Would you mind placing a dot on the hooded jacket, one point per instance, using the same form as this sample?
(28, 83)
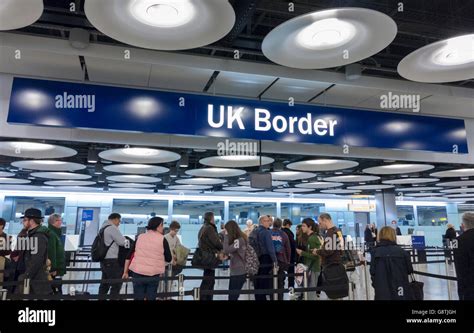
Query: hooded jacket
(389, 269)
(35, 259)
(56, 251)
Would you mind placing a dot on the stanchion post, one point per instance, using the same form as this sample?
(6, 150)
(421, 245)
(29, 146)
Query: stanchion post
(447, 274)
(26, 287)
(180, 286)
(197, 294)
(275, 281)
(3, 294)
(169, 275)
(367, 292)
(305, 285)
(248, 287)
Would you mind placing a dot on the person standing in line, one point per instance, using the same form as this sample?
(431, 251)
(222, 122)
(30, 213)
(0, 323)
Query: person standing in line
(110, 266)
(286, 228)
(369, 237)
(4, 251)
(283, 252)
(396, 227)
(249, 227)
(173, 242)
(235, 245)
(331, 251)
(464, 259)
(56, 251)
(390, 267)
(147, 259)
(312, 261)
(36, 257)
(261, 240)
(209, 241)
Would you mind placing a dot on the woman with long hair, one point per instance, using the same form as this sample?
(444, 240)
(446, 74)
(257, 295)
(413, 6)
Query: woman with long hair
(235, 244)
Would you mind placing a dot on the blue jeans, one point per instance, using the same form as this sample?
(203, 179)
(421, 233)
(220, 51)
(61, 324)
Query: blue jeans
(144, 290)
(236, 283)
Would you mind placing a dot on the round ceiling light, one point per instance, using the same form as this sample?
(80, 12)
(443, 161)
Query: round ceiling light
(162, 24)
(293, 190)
(16, 14)
(69, 183)
(133, 179)
(416, 189)
(241, 189)
(14, 181)
(410, 181)
(322, 165)
(60, 175)
(189, 187)
(34, 150)
(292, 175)
(370, 187)
(238, 161)
(460, 196)
(139, 155)
(318, 185)
(139, 169)
(48, 165)
(351, 179)
(274, 183)
(341, 191)
(201, 181)
(424, 194)
(444, 61)
(459, 190)
(457, 183)
(6, 174)
(396, 169)
(215, 172)
(329, 38)
(454, 173)
(132, 185)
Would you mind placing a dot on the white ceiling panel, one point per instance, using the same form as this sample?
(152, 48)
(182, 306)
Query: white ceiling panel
(451, 106)
(118, 72)
(179, 78)
(300, 90)
(239, 84)
(39, 63)
(341, 95)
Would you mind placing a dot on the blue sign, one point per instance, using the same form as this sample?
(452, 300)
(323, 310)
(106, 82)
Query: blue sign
(418, 242)
(87, 215)
(74, 105)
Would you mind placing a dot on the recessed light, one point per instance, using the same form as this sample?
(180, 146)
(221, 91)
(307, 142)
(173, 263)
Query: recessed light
(327, 33)
(163, 13)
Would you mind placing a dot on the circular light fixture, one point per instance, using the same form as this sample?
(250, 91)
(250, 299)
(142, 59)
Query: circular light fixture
(460, 196)
(139, 169)
(69, 183)
(444, 61)
(396, 169)
(329, 38)
(318, 185)
(215, 172)
(189, 187)
(410, 181)
(4, 174)
(322, 165)
(293, 190)
(424, 194)
(351, 179)
(133, 179)
(132, 185)
(241, 189)
(370, 187)
(16, 14)
(457, 183)
(48, 165)
(34, 150)
(162, 24)
(274, 183)
(139, 155)
(341, 191)
(14, 181)
(292, 175)
(238, 161)
(60, 175)
(416, 189)
(454, 173)
(201, 181)
(459, 190)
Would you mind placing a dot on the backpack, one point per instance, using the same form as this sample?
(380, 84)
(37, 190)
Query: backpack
(251, 261)
(99, 249)
(277, 241)
(335, 282)
(253, 241)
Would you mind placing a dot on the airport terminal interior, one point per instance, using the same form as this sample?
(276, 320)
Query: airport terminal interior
(357, 108)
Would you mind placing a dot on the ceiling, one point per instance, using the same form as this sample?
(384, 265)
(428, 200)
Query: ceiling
(177, 173)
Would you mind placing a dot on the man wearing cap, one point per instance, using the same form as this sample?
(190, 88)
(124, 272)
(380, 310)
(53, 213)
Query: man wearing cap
(37, 255)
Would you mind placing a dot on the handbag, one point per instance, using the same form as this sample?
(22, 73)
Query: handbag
(416, 288)
(204, 259)
(182, 253)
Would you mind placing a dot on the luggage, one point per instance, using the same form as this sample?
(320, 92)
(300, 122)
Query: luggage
(416, 288)
(335, 282)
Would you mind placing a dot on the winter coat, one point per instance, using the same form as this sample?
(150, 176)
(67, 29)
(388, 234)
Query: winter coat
(35, 260)
(209, 240)
(464, 261)
(389, 269)
(56, 251)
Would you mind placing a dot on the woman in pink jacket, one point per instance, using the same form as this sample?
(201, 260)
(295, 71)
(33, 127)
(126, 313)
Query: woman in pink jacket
(147, 259)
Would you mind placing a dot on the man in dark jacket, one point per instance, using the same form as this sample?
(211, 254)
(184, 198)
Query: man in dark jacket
(209, 241)
(261, 241)
(283, 252)
(37, 254)
(331, 251)
(56, 250)
(291, 269)
(4, 251)
(464, 259)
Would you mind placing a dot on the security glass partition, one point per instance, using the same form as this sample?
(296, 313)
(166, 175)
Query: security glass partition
(243, 211)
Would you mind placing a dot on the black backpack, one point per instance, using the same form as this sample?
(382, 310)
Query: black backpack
(335, 282)
(253, 241)
(99, 249)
